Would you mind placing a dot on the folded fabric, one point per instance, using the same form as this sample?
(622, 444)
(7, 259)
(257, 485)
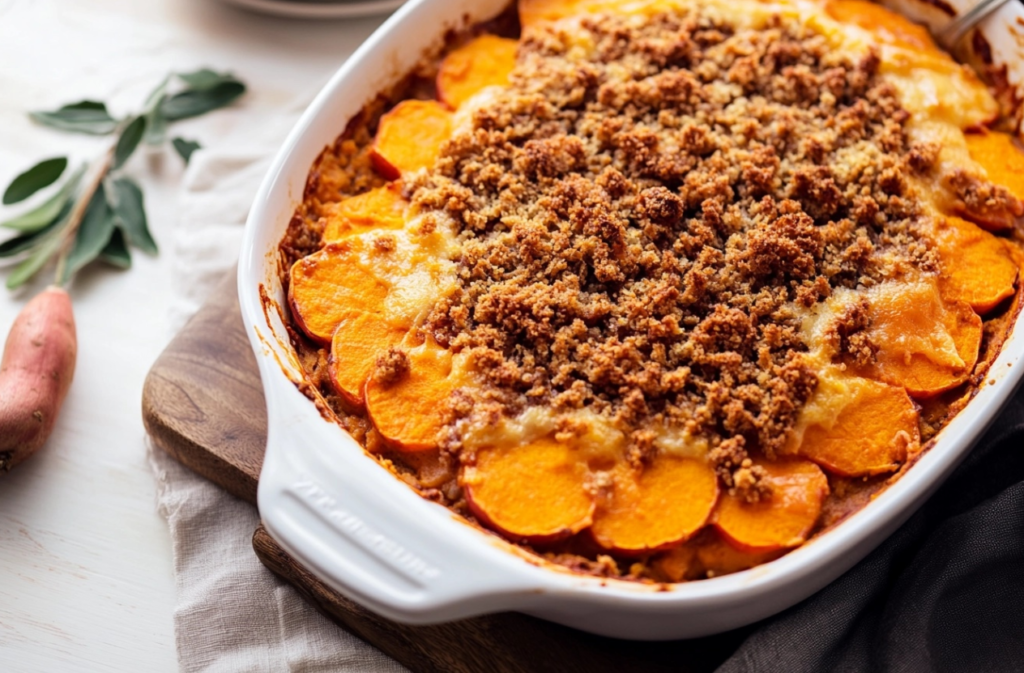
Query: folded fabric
(232, 614)
(944, 593)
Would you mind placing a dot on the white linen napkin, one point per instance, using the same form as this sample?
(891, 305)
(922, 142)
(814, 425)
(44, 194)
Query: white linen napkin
(232, 614)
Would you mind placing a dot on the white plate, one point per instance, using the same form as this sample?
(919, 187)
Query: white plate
(320, 10)
(372, 538)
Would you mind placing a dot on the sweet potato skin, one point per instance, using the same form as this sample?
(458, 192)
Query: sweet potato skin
(35, 374)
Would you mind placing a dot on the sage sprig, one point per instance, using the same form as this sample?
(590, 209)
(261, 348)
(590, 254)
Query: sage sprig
(97, 212)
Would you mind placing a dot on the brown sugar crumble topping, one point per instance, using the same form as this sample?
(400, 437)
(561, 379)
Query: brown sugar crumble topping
(636, 227)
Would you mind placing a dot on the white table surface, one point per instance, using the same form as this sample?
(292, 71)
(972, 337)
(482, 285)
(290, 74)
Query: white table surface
(85, 561)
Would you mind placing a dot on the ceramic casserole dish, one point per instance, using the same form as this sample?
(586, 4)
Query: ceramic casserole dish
(376, 541)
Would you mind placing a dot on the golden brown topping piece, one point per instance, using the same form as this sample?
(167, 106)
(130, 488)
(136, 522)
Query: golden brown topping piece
(409, 137)
(785, 519)
(656, 507)
(534, 492)
(485, 61)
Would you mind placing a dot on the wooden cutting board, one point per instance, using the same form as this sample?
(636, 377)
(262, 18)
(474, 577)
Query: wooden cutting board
(203, 404)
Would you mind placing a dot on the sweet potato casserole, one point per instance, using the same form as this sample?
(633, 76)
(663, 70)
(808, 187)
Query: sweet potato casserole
(660, 289)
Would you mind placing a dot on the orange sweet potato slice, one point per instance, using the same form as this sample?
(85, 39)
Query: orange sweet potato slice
(976, 266)
(405, 403)
(532, 12)
(780, 521)
(328, 284)
(658, 507)
(870, 435)
(535, 492)
(718, 557)
(926, 345)
(409, 137)
(889, 26)
(380, 208)
(358, 340)
(1001, 158)
(485, 61)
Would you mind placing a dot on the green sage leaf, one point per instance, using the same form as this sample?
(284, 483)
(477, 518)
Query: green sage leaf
(86, 116)
(185, 148)
(116, 252)
(43, 174)
(129, 140)
(25, 242)
(93, 235)
(205, 79)
(195, 102)
(125, 197)
(48, 246)
(156, 126)
(48, 211)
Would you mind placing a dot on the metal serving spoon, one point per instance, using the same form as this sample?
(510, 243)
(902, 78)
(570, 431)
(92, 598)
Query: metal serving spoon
(955, 31)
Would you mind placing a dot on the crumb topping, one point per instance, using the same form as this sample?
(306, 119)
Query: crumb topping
(638, 224)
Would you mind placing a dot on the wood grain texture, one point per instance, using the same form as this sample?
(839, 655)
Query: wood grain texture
(501, 643)
(203, 401)
(203, 404)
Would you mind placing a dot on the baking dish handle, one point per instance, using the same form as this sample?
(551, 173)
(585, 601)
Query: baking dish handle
(370, 537)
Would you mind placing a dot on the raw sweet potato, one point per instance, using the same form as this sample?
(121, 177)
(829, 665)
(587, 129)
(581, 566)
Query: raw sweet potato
(328, 284)
(657, 507)
(925, 344)
(35, 374)
(976, 266)
(406, 394)
(410, 137)
(782, 520)
(871, 434)
(358, 341)
(380, 208)
(535, 492)
(485, 61)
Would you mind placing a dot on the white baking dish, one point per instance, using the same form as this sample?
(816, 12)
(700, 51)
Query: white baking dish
(373, 539)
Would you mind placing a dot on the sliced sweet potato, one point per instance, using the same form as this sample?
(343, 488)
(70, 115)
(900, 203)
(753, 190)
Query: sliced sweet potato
(358, 341)
(718, 557)
(380, 208)
(409, 137)
(532, 12)
(485, 61)
(1001, 158)
(976, 266)
(406, 394)
(889, 26)
(328, 284)
(535, 492)
(925, 344)
(780, 521)
(871, 434)
(658, 507)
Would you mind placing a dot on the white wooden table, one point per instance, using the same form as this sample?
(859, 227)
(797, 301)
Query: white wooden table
(85, 562)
